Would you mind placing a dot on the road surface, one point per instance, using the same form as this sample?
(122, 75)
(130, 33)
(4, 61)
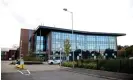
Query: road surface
(42, 72)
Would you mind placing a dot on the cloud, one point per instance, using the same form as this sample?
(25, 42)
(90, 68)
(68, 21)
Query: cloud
(89, 15)
(18, 18)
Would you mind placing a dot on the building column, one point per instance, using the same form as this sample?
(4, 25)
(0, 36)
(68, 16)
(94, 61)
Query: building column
(34, 43)
(109, 42)
(40, 41)
(116, 43)
(96, 43)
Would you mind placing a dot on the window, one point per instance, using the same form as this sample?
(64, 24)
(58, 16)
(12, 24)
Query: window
(88, 42)
(38, 37)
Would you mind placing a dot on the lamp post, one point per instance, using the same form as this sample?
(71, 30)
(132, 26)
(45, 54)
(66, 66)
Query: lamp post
(20, 53)
(72, 29)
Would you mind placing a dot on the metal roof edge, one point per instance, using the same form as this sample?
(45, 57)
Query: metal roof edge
(82, 32)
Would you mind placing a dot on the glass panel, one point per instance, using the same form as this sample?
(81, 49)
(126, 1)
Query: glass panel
(85, 42)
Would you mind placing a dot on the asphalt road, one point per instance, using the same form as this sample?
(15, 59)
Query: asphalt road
(55, 72)
(41, 72)
(48, 75)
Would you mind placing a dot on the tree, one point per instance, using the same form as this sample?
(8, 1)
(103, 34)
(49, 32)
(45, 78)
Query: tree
(96, 53)
(119, 47)
(109, 53)
(125, 51)
(121, 52)
(129, 50)
(30, 53)
(67, 46)
(86, 54)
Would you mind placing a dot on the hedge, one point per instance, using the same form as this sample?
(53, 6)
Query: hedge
(125, 66)
(90, 65)
(28, 62)
(29, 58)
(33, 62)
(68, 64)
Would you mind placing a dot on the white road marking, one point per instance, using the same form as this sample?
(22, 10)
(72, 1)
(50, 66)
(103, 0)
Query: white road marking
(23, 73)
(28, 71)
(20, 71)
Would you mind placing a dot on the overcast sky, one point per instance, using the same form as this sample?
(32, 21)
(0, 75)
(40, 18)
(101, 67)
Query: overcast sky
(89, 15)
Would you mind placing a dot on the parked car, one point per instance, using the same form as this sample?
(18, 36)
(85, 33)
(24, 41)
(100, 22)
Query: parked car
(130, 57)
(54, 61)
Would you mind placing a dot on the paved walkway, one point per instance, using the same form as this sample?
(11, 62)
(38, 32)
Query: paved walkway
(102, 74)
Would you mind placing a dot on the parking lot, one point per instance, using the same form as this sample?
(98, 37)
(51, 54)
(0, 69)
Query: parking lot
(42, 72)
(6, 67)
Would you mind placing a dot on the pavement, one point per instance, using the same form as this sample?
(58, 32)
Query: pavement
(55, 72)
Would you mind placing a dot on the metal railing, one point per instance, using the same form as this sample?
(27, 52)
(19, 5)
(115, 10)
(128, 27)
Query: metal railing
(115, 65)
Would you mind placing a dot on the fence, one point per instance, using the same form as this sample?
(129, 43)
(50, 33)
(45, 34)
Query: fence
(125, 66)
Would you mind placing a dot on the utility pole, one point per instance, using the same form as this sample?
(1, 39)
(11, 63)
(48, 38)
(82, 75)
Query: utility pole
(20, 49)
(72, 29)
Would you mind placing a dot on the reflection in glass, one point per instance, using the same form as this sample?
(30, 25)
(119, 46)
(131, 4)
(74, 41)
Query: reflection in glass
(84, 42)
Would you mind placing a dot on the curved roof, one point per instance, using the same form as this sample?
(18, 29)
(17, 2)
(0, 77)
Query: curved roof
(79, 32)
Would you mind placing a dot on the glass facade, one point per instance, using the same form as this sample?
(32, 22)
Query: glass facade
(39, 44)
(84, 42)
(30, 34)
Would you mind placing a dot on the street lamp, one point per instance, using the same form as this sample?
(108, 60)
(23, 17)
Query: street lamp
(65, 9)
(20, 53)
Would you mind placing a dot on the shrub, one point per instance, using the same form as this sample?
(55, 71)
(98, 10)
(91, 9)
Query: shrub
(79, 64)
(30, 58)
(89, 60)
(111, 65)
(68, 64)
(126, 66)
(91, 65)
(101, 63)
(28, 62)
(114, 65)
(33, 62)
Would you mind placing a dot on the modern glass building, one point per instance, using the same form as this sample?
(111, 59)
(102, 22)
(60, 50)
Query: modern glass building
(48, 40)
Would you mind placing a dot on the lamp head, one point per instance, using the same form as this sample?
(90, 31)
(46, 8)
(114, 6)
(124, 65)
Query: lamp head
(65, 9)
